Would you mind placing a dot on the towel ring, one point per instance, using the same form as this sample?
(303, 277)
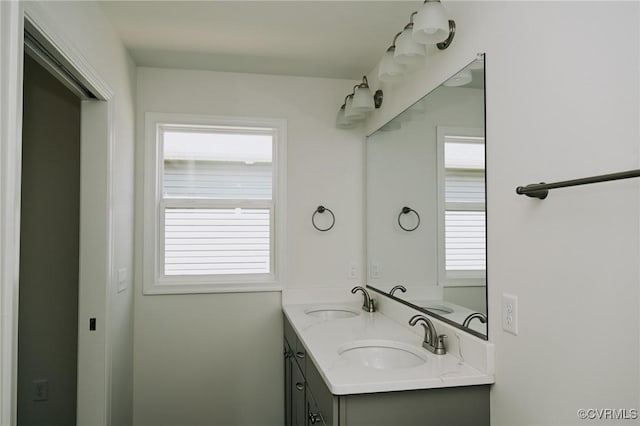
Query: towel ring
(407, 210)
(321, 210)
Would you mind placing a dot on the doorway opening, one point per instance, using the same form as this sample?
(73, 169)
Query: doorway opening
(49, 250)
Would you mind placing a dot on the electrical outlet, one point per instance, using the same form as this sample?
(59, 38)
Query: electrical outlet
(510, 313)
(40, 390)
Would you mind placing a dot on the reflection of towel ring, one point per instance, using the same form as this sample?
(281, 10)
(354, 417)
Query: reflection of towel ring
(406, 210)
(322, 209)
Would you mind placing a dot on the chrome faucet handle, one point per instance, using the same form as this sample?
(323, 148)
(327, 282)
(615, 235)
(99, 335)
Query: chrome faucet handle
(369, 304)
(432, 342)
(440, 349)
(396, 288)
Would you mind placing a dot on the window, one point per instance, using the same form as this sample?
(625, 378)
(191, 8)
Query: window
(462, 213)
(214, 204)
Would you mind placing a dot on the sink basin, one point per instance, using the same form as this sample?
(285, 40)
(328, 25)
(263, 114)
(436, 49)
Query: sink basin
(330, 312)
(439, 309)
(382, 354)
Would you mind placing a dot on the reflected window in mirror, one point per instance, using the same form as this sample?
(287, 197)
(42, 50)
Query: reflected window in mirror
(461, 200)
(431, 158)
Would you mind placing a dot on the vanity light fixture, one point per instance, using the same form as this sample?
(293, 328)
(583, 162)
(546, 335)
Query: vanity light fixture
(408, 50)
(357, 104)
(341, 120)
(350, 113)
(389, 70)
(362, 97)
(431, 25)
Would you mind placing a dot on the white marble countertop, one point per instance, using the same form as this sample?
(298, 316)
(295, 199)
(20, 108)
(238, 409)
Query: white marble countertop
(323, 338)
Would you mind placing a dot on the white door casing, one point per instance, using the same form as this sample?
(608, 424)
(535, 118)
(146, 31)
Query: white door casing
(96, 229)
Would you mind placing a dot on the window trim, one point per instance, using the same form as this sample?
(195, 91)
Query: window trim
(462, 278)
(154, 280)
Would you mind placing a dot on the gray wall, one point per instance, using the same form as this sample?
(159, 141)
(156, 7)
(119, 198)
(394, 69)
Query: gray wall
(48, 307)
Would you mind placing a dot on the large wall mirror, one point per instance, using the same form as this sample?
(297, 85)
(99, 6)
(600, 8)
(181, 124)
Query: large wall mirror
(426, 203)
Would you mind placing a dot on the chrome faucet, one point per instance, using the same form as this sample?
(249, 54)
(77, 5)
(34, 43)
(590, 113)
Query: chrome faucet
(396, 288)
(369, 304)
(482, 317)
(433, 342)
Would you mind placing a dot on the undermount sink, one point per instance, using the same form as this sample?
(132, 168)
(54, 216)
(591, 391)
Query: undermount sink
(329, 312)
(382, 354)
(439, 309)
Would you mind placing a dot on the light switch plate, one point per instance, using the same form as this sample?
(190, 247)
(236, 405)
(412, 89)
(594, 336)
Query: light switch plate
(374, 270)
(353, 270)
(510, 313)
(122, 279)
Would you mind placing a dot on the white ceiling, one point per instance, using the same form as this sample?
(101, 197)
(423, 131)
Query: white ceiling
(334, 39)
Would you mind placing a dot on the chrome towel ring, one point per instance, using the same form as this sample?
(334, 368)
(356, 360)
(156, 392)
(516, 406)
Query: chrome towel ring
(321, 210)
(407, 210)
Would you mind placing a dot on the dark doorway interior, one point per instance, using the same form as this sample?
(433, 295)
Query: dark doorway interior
(49, 250)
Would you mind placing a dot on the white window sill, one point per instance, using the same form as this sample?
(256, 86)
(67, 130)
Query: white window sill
(212, 288)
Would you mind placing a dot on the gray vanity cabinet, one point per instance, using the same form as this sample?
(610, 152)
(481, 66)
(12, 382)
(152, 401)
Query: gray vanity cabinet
(295, 390)
(309, 401)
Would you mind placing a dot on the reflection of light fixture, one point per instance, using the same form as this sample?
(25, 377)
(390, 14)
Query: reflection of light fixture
(460, 79)
(357, 104)
(431, 25)
(391, 126)
(389, 70)
(408, 50)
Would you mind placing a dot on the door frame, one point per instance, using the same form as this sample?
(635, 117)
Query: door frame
(96, 274)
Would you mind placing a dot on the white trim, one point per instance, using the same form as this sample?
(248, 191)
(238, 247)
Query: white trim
(462, 278)
(153, 280)
(13, 15)
(11, 41)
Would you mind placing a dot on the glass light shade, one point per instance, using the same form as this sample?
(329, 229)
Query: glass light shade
(460, 79)
(349, 113)
(408, 51)
(389, 70)
(431, 24)
(362, 100)
(342, 122)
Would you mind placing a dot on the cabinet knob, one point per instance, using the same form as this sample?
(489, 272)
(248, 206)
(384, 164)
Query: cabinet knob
(314, 418)
(300, 386)
(300, 355)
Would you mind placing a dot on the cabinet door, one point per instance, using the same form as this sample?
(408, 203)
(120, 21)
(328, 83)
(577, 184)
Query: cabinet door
(322, 402)
(315, 414)
(298, 408)
(288, 384)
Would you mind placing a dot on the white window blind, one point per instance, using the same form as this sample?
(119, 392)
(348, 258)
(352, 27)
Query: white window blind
(464, 206)
(216, 241)
(465, 240)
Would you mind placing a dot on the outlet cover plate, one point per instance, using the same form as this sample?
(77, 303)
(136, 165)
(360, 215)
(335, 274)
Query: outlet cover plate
(510, 313)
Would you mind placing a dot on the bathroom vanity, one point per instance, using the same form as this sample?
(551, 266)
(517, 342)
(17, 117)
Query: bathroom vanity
(346, 367)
